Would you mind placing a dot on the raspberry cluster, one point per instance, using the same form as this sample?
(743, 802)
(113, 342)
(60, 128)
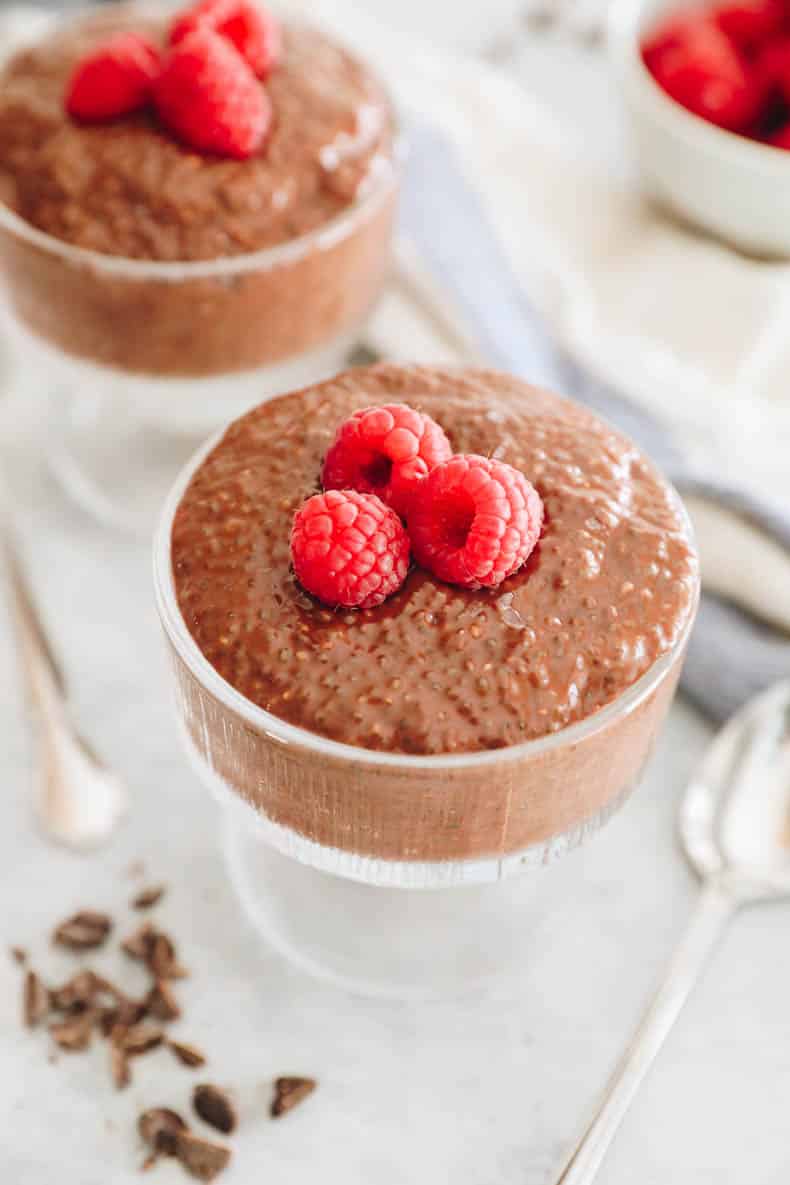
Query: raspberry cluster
(730, 65)
(469, 520)
(206, 88)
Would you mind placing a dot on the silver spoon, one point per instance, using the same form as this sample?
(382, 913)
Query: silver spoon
(735, 832)
(78, 799)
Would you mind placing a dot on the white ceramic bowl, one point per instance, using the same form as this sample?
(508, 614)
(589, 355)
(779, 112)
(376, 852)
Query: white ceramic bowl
(734, 188)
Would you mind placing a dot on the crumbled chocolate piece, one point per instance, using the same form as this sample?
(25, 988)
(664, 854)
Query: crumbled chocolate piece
(85, 930)
(188, 1055)
(141, 1038)
(75, 1033)
(76, 993)
(202, 1158)
(148, 898)
(214, 1107)
(288, 1092)
(119, 1066)
(35, 1000)
(161, 1002)
(137, 944)
(108, 1021)
(162, 960)
(130, 1011)
(121, 1016)
(18, 954)
(156, 949)
(160, 1128)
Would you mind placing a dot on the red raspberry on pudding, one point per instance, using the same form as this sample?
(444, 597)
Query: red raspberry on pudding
(210, 99)
(476, 521)
(114, 80)
(349, 549)
(254, 32)
(387, 451)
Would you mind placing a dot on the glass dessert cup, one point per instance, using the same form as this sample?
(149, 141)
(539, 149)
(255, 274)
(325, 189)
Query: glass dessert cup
(387, 874)
(142, 359)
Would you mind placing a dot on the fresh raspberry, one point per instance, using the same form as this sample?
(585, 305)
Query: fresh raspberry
(254, 32)
(210, 99)
(698, 66)
(750, 23)
(349, 549)
(781, 139)
(385, 450)
(476, 521)
(114, 80)
(772, 67)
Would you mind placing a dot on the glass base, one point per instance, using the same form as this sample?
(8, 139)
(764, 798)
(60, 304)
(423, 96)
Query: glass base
(117, 441)
(388, 929)
(391, 943)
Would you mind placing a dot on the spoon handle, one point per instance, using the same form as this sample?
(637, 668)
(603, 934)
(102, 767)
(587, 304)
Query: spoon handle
(41, 667)
(712, 912)
(78, 799)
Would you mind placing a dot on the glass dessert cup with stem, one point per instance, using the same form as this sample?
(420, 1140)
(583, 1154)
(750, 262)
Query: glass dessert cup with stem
(142, 359)
(388, 874)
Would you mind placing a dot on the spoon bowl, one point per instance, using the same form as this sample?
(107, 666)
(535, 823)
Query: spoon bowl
(734, 827)
(735, 817)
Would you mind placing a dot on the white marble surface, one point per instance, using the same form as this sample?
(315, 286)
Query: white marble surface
(471, 1092)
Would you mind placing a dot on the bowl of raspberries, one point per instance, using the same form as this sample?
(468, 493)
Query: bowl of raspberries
(707, 92)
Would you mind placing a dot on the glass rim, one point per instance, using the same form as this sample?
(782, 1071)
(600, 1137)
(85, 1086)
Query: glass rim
(282, 732)
(323, 237)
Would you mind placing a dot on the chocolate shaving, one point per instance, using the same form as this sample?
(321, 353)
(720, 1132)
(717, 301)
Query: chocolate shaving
(188, 1055)
(161, 1002)
(121, 1017)
(76, 993)
(156, 949)
(202, 1158)
(85, 930)
(137, 944)
(18, 954)
(214, 1107)
(148, 898)
(75, 1033)
(162, 960)
(288, 1092)
(35, 1000)
(108, 1021)
(119, 1066)
(160, 1128)
(140, 1038)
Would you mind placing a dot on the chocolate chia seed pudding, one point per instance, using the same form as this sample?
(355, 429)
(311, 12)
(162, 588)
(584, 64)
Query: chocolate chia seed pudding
(122, 246)
(431, 687)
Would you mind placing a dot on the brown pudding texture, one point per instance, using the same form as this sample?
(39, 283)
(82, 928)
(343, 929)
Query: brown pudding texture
(436, 669)
(128, 189)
